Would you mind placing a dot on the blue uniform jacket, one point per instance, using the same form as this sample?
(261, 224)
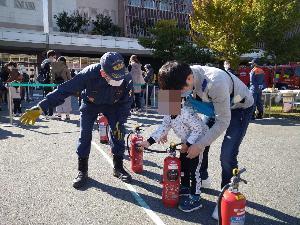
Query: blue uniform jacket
(257, 80)
(94, 89)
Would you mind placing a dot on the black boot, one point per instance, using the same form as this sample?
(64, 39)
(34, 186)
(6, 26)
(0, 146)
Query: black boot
(82, 176)
(119, 170)
(259, 115)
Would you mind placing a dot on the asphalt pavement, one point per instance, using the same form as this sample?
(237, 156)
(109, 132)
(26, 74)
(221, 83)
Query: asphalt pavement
(38, 164)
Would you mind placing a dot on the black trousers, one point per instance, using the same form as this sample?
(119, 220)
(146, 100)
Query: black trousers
(17, 105)
(50, 110)
(191, 173)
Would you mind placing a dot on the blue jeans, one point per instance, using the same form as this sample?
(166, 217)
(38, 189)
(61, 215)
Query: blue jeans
(258, 102)
(235, 133)
(88, 114)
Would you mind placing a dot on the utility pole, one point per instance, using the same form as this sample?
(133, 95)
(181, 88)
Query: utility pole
(46, 21)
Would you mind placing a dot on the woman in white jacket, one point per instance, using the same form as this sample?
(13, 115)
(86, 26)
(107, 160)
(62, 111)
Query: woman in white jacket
(61, 74)
(138, 81)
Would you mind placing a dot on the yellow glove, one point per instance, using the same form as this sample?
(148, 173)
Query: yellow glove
(31, 115)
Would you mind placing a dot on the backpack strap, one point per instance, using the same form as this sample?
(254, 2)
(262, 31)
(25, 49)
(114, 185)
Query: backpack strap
(232, 93)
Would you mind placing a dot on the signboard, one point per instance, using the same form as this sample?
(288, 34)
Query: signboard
(21, 4)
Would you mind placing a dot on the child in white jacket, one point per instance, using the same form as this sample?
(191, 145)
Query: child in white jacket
(189, 127)
(16, 97)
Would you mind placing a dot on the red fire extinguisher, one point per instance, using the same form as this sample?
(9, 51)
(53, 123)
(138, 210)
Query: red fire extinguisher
(135, 151)
(232, 203)
(103, 129)
(171, 178)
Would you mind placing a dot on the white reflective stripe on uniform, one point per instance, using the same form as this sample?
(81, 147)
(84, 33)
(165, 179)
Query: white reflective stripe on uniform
(198, 175)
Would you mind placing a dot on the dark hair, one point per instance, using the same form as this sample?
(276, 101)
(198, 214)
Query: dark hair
(62, 59)
(51, 53)
(134, 58)
(173, 74)
(11, 63)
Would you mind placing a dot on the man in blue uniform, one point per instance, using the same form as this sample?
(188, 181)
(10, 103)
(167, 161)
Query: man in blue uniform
(105, 88)
(257, 84)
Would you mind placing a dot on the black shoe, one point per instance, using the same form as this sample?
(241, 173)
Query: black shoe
(80, 180)
(259, 116)
(82, 176)
(119, 170)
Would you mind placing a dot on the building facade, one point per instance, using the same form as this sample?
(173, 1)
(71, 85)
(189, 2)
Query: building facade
(22, 26)
(140, 15)
(135, 17)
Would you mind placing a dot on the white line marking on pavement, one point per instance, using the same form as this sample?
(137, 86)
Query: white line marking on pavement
(154, 217)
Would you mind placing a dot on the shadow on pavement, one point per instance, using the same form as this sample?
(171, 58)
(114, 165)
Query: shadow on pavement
(254, 219)
(151, 164)
(275, 121)
(202, 215)
(151, 175)
(4, 134)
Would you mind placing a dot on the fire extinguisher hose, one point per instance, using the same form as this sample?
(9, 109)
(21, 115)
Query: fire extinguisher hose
(127, 143)
(147, 149)
(219, 203)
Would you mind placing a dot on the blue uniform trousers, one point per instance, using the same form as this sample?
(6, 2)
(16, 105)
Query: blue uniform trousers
(235, 133)
(258, 102)
(88, 115)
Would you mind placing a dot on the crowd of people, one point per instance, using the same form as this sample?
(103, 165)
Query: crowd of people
(54, 70)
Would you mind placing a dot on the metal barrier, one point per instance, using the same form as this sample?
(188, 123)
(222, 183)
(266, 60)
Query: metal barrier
(15, 84)
(147, 89)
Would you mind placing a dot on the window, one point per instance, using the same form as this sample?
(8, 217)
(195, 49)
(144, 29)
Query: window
(165, 5)
(2, 2)
(24, 5)
(134, 2)
(149, 4)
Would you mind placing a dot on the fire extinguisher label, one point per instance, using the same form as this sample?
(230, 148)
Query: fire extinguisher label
(172, 166)
(102, 129)
(237, 220)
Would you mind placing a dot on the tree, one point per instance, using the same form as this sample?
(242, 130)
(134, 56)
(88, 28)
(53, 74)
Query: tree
(165, 40)
(103, 25)
(276, 26)
(63, 21)
(231, 28)
(80, 22)
(73, 23)
(191, 53)
(223, 26)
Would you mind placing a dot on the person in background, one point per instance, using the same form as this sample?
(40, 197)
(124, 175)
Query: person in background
(149, 77)
(257, 84)
(2, 89)
(61, 74)
(15, 76)
(13, 72)
(45, 76)
(25, 90)
(138, 81)
(228, 68)
(3, 77)
(73, 73)
(16, 97)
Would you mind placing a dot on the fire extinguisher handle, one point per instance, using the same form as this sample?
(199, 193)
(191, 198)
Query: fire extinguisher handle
(237, 172)
(242, 170)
